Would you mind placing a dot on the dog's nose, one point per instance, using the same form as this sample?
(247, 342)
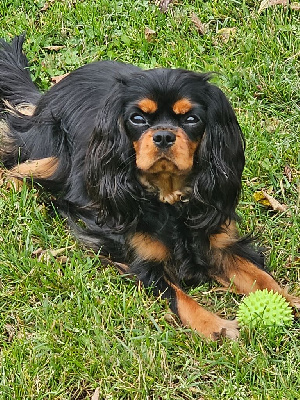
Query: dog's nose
(164, 139)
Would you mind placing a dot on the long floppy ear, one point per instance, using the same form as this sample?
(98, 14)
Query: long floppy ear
(110, 164)
(219, 164)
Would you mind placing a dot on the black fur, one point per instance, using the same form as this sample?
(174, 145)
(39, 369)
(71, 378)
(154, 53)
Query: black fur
(83, 121)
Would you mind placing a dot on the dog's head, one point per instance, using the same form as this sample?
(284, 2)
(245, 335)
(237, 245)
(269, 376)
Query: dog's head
(170, 131)
(165, 126)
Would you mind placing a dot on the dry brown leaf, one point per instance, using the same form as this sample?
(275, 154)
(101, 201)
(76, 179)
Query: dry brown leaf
(295, 6)
(288, 173)
(270, 3)
(198, 24)
(96, 394)
(47, 5)
(163, 4)
(226, 33)
(46, 255)
(274, 204)
(292, 262)
(264, 198)
(149, 34)
(57, 252)
(54, 48)
(62, 259)
(58, 78)
(10, 331)
(221, 289)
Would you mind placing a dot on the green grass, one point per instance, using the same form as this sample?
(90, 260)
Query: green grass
(69, 327)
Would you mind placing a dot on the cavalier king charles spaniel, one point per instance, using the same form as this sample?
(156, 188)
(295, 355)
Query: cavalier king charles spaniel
(146, 166)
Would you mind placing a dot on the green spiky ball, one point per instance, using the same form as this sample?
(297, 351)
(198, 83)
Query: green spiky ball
(264, 308)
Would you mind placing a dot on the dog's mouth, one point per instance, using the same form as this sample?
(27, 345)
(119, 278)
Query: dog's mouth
(164, 164)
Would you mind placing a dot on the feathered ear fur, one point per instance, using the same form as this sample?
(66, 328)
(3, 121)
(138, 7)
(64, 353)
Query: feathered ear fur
(220, 162)
(110, 167)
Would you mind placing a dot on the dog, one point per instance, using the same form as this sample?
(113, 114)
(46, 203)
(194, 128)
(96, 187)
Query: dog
(146, 166)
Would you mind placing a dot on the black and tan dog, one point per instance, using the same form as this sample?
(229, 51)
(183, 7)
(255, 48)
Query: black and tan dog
(149, 162)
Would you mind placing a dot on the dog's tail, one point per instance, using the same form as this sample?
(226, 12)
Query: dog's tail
(18, 98)
(16, 85)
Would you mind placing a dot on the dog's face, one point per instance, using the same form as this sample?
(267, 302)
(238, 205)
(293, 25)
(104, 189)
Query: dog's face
(165, 122)
(168, 133)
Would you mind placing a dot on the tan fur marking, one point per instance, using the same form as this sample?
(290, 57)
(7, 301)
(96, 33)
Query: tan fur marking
(145, 150)
(183, 151)
(23, 108)
(149, 248)
(6, 143)
(201, 320)
(9, 181)
(40, 169)
(182, 106)
(4, 130)
(247, 277)
(148, 106)
(26, 109)
(242, 274)
(225, 238)
(171, 187)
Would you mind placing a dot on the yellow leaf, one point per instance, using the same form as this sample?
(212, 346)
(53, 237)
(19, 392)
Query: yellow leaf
(226, 33)
(260, 198)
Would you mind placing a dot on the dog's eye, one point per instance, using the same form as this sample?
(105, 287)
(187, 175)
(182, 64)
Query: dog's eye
(137, 119)
(192, 119)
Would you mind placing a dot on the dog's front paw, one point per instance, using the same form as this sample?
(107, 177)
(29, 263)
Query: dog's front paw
(226, 329)
(293, 300)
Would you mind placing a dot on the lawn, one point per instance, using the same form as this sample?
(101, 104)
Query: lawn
(69, 326)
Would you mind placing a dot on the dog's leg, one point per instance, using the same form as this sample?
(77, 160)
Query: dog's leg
(196, 317)
(36, 169)
(150, 256)
(31, 169)
(191, 314)
(235, 268)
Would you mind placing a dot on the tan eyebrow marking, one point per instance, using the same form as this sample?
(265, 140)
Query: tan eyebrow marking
(182, 106)
(147, 105)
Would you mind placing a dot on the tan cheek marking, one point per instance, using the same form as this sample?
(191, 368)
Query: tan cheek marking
(147, 106)
(183, 151)
(145, 150)
(149, 248)
(182, 106)
(40, 169)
